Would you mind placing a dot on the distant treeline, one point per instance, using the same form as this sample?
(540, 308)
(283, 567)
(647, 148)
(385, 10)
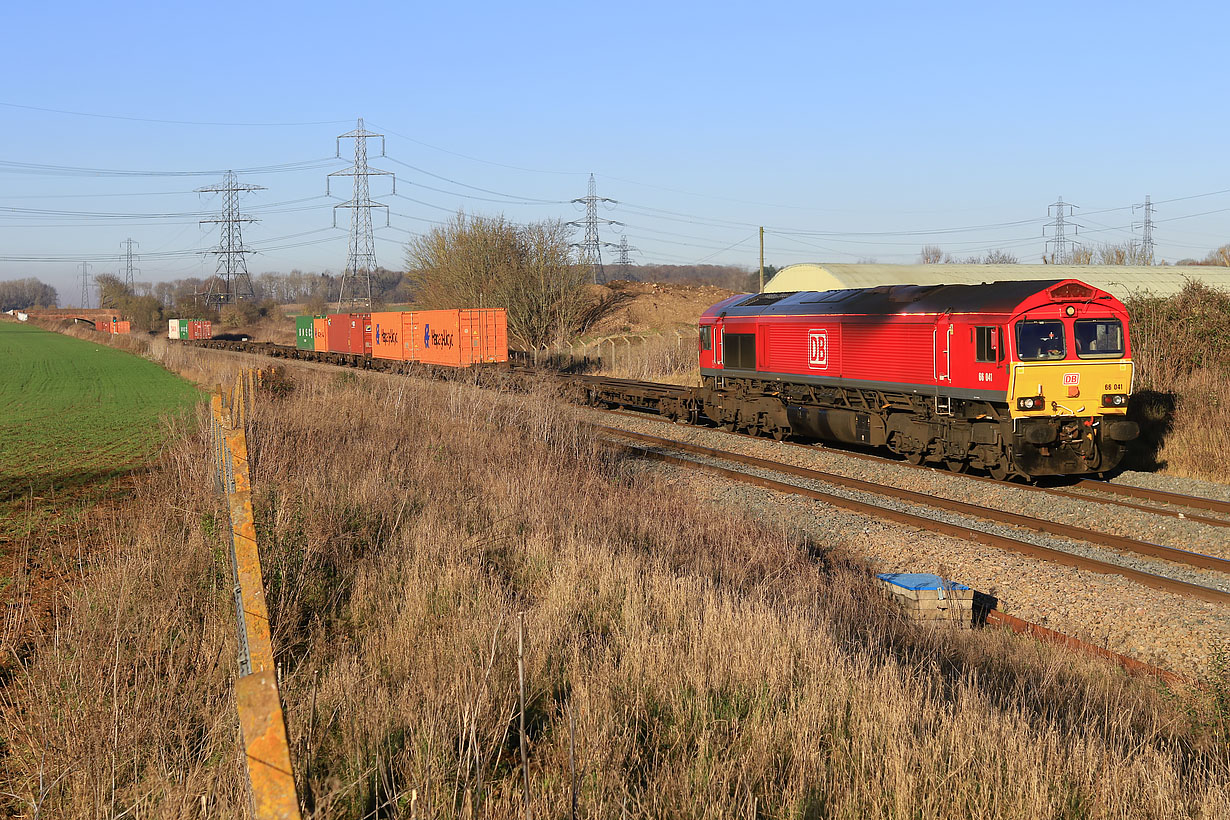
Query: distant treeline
(19, 294)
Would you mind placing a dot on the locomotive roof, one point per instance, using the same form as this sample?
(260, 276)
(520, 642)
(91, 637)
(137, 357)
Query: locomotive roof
(995, 297)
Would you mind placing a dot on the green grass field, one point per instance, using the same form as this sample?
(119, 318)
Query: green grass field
(74, 414)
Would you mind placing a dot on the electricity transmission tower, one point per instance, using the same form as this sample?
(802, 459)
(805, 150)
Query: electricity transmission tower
(361, 260)
(1146, 244)
(624, 260)
(128, 268)
(232, 264)
(1063, 247)
(85, 284)
(591, 248)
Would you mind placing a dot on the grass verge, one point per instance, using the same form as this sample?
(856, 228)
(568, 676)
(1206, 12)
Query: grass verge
(701, 664)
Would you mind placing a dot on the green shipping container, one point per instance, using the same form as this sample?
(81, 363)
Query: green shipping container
(305, 338)
(183, 329)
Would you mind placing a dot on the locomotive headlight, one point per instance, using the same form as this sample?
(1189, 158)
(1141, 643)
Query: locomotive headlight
(1031, 403)
(1114, 400)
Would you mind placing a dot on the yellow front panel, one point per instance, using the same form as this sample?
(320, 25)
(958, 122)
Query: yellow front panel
(1052, 380)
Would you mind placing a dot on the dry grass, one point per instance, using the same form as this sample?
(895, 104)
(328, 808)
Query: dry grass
(1181, 346)
(710, 667)
(669, 358)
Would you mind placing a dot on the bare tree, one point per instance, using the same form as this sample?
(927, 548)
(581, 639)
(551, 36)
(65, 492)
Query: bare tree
(476, 261)
(1079, 255)
(1000, 257)
(1219, 256)
(931, 255)
(19, 294)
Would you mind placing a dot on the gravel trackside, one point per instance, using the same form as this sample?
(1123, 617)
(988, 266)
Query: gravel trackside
(1161, 628)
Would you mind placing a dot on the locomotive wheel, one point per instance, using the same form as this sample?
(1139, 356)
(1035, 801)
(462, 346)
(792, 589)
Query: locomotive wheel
(779, 434)
(998, 471)
(956, 465)
(914, 458)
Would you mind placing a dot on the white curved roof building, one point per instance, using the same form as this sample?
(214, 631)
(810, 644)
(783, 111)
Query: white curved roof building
(1121, 280)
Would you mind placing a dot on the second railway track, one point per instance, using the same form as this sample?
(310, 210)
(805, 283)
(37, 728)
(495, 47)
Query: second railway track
(654, 447)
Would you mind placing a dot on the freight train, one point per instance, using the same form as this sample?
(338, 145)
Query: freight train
(1018, 379)
(1015, 378)
(445, 338)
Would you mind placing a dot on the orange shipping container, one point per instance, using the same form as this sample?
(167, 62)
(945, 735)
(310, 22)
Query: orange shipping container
(103, 325)
(319, 335)
(458, 338)
(123, 327)
(387, 336)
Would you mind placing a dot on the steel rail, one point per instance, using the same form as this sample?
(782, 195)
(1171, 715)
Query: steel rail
(1122, 490)
(1163, 496)
(920, 521)
(1042, 633)
(1178, 556)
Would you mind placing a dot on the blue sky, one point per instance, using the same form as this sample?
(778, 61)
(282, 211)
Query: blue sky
(849, 130)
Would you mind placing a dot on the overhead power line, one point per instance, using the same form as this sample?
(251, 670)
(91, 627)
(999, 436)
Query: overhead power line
(36, 168)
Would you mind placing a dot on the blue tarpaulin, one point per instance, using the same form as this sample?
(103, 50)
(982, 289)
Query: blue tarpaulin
(918, 581)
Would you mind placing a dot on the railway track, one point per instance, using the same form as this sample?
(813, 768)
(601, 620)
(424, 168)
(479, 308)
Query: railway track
(652, 397)
(653, 447)
(1121, 491)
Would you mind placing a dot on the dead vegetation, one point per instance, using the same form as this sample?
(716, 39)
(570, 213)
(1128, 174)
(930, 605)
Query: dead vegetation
(1181, 346)
(700, 664)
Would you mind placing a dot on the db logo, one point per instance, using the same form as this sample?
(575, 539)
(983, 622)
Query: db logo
(818, 349)
(1071, 379)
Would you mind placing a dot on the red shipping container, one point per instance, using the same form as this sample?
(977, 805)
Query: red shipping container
(361, 334)
(103, 326)
(387, 336)
(337, 332)
(123, 327)
(200, 329)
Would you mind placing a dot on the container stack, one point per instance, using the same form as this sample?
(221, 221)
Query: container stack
(929, 599)
(186, 329)
(112, 325)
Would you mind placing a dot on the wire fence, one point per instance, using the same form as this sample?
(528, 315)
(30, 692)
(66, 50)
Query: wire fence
(257, 700)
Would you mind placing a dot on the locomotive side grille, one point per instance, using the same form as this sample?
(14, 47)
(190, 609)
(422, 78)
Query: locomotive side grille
(739, 351)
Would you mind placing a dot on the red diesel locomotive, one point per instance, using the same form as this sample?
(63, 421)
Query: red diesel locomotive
(1017, 378)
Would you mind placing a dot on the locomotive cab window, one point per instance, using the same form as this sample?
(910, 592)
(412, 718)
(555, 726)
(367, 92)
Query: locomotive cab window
(987, 344)
(706, 338)
(1099, 338)
(739, 351)
(1040, 340)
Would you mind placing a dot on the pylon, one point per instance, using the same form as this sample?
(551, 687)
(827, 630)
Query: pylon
(232, 266)
(361, 260)
(591, 248)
